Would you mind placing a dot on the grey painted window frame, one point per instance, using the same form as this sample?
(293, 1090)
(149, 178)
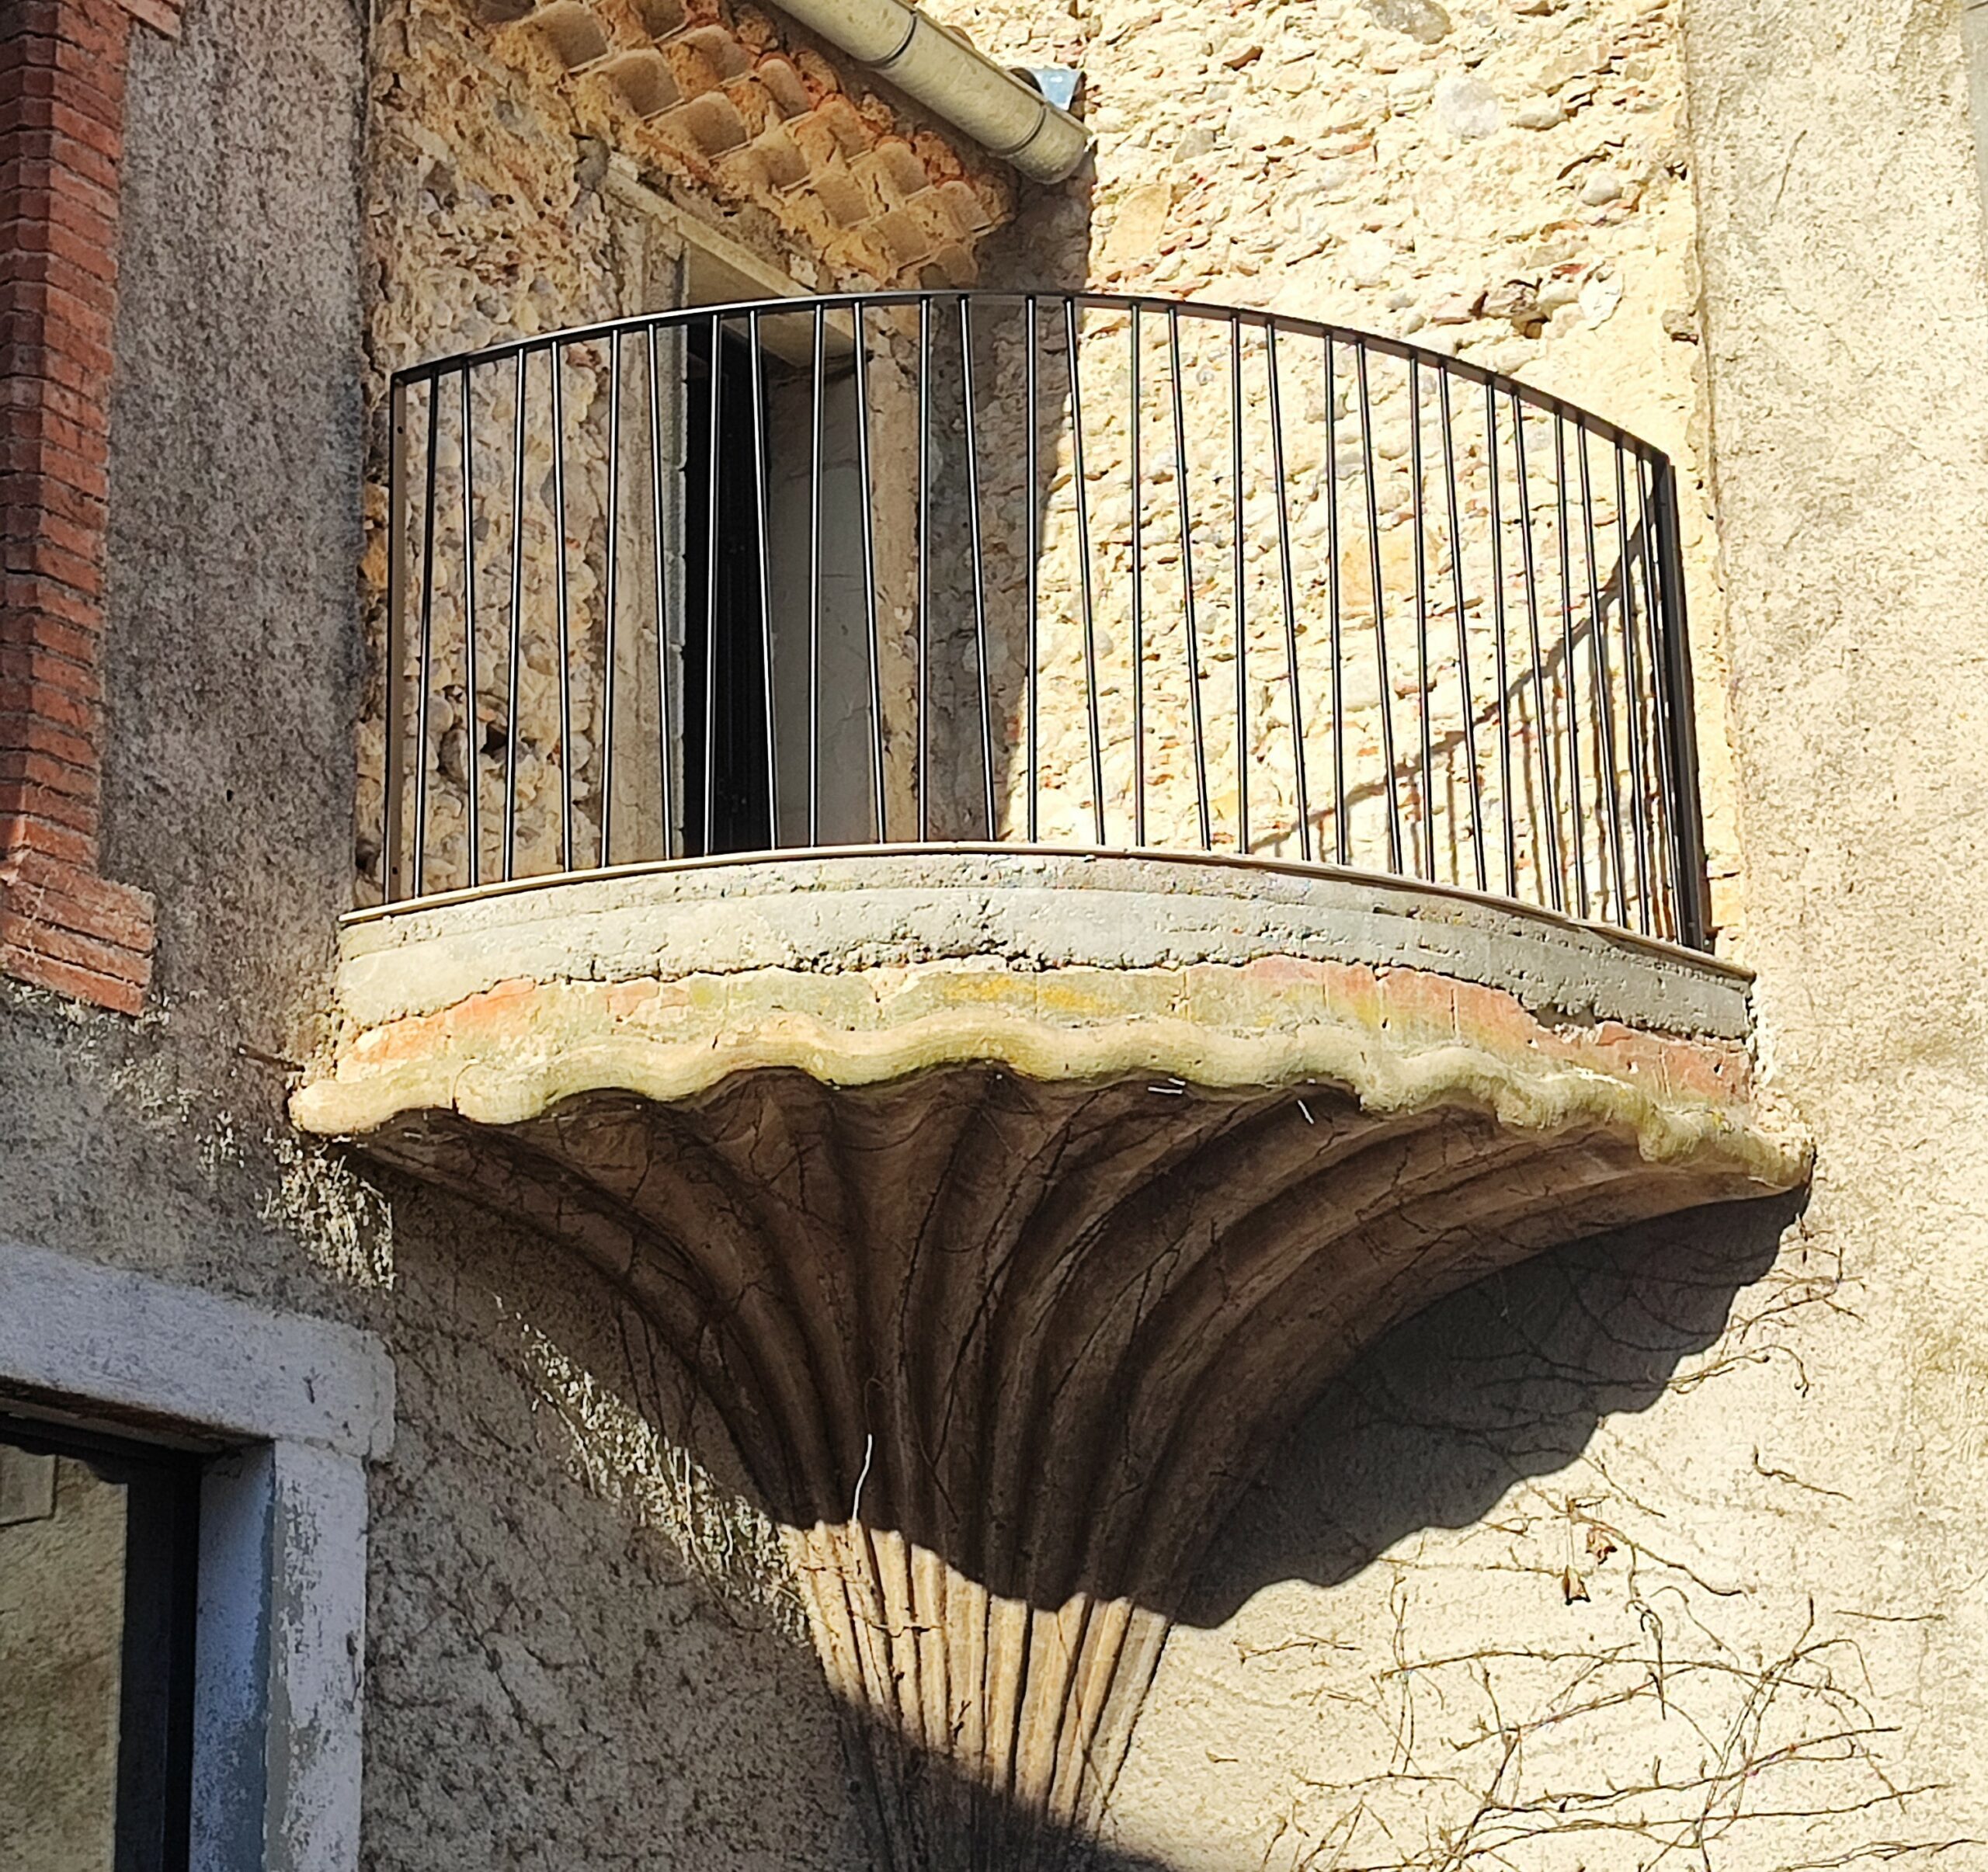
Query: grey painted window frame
(294, 1408)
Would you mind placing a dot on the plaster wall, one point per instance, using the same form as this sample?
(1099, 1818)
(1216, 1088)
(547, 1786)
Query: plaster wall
(559, 1675)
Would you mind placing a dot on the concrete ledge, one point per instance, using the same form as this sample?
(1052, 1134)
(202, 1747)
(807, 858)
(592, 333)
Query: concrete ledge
(1031, 910)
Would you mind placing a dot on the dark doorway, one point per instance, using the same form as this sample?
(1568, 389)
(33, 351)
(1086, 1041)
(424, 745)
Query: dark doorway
(98, 1550)
(727, 792)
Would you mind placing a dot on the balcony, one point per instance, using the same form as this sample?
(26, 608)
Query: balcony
(1028, 873)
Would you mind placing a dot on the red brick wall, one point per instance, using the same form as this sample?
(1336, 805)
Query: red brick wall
(62, 74)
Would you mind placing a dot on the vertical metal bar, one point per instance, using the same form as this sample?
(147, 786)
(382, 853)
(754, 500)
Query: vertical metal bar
(394, 777)
(1605, 696)
(1693, 893)
(1633, 688)
(710, 591)
(1370, 467)
(762, 542)
(1502, 647)
(564, 613)
(869, 580)
(1071, 339)
(820, 368)
(1459, 601)
(921, 752)
(1031, 549)
(1138, 605)
(1542, 721)
(514, 736)
(473, 751)
(609, 606)
(1239, 584)
(665, 713)
(1664, 831)
(979, 563)
(1569, 665)
(1187, 580)
(424, 665)
(1290, 595)
(1341, 838)
(1419, 517)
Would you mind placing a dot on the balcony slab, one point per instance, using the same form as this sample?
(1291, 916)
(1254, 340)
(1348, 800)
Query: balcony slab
(1008, 1204)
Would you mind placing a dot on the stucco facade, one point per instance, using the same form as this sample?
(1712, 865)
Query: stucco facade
(1656, 1547)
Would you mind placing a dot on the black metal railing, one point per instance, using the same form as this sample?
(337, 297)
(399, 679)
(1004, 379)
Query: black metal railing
(1068, 570)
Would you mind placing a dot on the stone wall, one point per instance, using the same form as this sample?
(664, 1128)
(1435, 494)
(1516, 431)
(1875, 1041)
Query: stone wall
(531, 170)
(1506, 185)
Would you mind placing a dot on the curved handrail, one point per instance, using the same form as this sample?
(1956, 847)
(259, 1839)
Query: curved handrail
(1029, 565)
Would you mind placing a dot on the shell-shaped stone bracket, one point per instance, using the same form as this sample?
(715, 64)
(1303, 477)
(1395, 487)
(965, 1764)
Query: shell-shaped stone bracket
(1008, 1206)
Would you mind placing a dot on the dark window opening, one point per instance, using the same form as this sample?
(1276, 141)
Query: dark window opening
(98, 1549)
(727, 802)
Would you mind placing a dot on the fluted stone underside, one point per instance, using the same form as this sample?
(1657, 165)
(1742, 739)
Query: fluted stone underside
(1003, 1284)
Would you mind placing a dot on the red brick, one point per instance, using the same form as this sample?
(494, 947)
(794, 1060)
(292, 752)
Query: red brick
(46, 927)
(56, 317)
(81, 90)
(29, 663)
(53, 270)
(53, 117)
(113, 993)
(56, 778)
(108, 908)
(37, 629)
(27, 800)
(60, 710)
(27, 214)
(39, 425)
(58, 897)
(24, 174)
(29, 730)
(50, 494)
(42, 527)
(42, 555)
(71, 360)
(45, 461)
(162, 15)
(71, 618)
(23, 830)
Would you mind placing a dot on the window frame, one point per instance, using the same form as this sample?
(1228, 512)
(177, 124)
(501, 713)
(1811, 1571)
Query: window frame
(285, 1411)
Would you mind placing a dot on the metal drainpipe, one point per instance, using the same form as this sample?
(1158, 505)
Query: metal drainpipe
(934, 66)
